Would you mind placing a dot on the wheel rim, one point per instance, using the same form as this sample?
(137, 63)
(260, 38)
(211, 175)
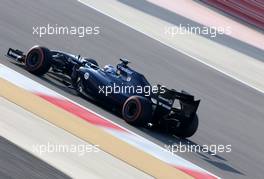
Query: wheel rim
(131, 110)
(79, 85)
(33, 59)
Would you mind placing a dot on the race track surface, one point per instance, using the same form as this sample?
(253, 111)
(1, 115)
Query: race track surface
(17, 163)
(230, 112)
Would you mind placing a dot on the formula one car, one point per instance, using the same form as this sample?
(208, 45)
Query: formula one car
(138, 106)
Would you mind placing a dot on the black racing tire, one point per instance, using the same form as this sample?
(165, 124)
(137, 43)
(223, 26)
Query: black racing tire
(79, 86)
(92, 61)
(38, 60)
(188, 129)
(137, 110)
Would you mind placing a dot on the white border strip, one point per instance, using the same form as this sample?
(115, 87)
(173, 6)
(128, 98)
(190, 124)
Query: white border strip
(128, 136)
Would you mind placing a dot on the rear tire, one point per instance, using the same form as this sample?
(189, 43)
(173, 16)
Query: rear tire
(38, 60)
(137, 110)
(187, 130)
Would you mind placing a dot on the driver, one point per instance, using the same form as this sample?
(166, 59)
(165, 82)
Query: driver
(110, 69)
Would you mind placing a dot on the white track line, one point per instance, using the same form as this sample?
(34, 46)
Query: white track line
(177, 49)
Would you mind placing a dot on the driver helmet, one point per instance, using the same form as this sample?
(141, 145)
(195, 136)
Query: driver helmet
(110, 69)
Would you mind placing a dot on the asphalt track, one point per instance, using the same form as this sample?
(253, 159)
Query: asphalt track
(230, 112)
(17, 163)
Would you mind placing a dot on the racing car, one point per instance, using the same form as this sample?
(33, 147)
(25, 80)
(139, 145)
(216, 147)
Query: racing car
(157, 108)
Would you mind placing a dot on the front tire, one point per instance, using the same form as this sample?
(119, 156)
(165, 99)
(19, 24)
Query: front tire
(79, 86)
(137, 110)
(38, 60)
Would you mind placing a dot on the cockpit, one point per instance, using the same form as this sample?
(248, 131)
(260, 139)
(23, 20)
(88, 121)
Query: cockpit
(117, 72)
(110, 69)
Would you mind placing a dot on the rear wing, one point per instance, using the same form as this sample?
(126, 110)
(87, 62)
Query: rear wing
(188, 105)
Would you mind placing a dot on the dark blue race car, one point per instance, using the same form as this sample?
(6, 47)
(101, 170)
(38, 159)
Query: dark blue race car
(120, 87)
